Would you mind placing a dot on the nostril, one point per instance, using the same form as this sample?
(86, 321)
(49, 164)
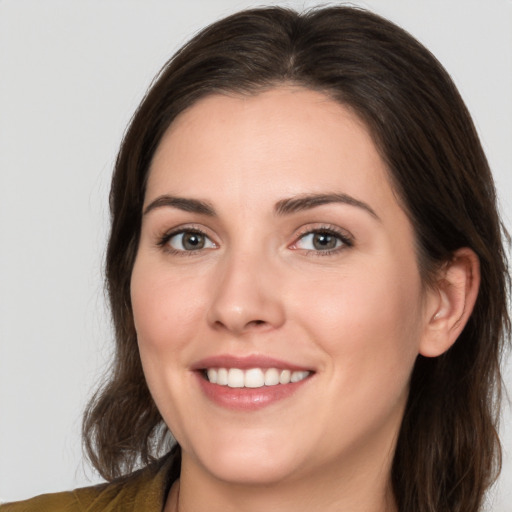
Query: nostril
(248, 326)
(257, 322)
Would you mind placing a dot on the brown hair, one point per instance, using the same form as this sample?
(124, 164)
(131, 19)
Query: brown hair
(448, 450)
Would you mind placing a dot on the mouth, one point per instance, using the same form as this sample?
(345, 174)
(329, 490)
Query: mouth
(253, 377)
(249, 382)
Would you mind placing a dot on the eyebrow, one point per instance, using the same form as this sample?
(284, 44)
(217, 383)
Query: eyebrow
(308, 201)
(181, 203)
(282, 207)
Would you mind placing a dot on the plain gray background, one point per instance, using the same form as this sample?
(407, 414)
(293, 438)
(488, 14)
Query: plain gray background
(71, 74)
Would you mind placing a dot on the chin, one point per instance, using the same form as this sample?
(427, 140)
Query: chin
(249, 463)
(250, 471)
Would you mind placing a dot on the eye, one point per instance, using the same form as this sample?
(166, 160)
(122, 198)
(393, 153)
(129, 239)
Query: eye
(189, 240)
(322, 240)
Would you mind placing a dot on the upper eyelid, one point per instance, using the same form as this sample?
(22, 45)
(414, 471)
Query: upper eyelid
(164, 244)
(319, 227)
(183, 228)
(164, 237)
(190, 231)
(298, 233)
(346, 238)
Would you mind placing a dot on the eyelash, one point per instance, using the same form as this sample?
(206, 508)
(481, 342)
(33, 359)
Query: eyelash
(163, 241)
(345, 239)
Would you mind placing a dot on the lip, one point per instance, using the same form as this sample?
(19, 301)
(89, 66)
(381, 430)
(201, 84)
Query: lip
(247, 399)
(246, 363)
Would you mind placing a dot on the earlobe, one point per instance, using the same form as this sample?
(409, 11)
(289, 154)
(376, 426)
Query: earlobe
(451, 302)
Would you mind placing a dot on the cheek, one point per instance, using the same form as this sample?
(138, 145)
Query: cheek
(370, 321)
(167, 312)
(166, 308)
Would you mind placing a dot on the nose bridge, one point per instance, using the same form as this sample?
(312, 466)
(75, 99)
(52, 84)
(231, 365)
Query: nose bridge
(246, 295)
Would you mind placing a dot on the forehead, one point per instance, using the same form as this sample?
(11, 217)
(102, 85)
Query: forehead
(281, 142)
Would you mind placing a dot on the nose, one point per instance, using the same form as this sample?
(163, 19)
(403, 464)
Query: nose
(246, 296)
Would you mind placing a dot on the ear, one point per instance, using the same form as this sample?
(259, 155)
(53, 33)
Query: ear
(450, 302)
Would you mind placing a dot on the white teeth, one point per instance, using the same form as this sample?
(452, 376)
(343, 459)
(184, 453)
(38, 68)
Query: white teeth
(271, 377)
(297, 376)
(254, 377)
(285, 376)
(222, 376)
(212, 375)
(235, 378)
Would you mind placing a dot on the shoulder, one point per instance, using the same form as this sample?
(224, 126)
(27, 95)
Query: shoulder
(144, 490)
(79, 500)
(57, 502)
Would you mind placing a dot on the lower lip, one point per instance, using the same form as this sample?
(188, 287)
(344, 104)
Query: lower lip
(248, 399)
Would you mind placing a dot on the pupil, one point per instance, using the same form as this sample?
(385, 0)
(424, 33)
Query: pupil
(324, 241)
(192, 241)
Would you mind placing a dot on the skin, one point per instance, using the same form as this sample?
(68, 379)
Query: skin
(358, 315)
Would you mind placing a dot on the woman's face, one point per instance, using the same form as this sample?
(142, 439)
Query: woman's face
(273, 248)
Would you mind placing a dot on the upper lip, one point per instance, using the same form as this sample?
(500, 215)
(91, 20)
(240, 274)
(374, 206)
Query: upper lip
(246, 363)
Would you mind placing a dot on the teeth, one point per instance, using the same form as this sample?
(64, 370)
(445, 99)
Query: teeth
(297, 376)
(235, 378)
(222, 376)
(285, 377)
(253, 378)
(212, 375)
(271, 377)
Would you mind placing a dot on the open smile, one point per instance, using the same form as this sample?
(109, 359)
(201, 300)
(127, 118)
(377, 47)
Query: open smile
(247, 383)
(254, 377)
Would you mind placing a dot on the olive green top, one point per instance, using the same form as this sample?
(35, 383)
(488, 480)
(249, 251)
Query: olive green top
(143, 491)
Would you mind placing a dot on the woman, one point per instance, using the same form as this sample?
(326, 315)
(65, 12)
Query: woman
(307, 280)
